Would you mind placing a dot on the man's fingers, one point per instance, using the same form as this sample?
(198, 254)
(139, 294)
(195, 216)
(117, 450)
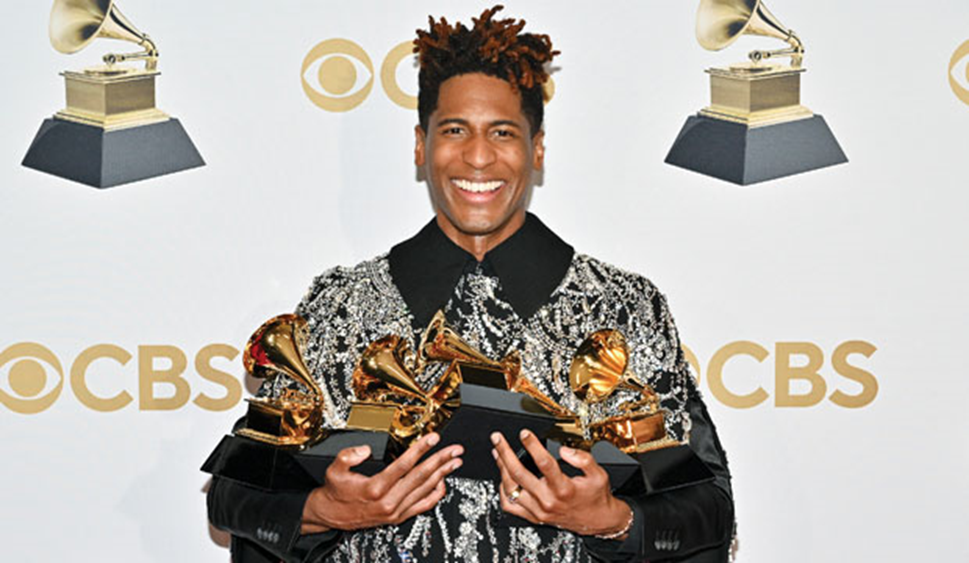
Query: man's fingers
(583, 461)
(547, 464)
(347, 458)
(507, 484)
(416, 486)
(518, 507)
(516, 471)
(426, 503)
(409, 458)
(423, 471)
(383, 481)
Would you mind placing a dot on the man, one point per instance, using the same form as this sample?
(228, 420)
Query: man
(505, 282)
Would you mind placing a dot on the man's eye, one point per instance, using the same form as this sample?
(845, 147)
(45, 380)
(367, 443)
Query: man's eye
(452, 131)
(504, 133)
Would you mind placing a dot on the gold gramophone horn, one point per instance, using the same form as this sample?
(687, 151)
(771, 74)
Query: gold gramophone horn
(520, 384)
(383, 374)
(441, 344)
(383, 370)
(599, 367)
(721, 22)
(294, 418)
(76, 23)
(277, 347)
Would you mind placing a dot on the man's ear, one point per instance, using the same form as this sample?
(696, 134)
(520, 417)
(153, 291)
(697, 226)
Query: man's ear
(538, 150)
(420, 140)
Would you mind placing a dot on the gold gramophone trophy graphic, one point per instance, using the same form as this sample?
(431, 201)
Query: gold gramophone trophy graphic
(755, 128)
(110, 133)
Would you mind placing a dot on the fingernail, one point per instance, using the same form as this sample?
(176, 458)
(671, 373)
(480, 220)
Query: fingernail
(457, 451)
(495, 438)
(363, 451)
(494, 453)
(433, 439)
(565, 450)
(455, 464)
(524, 434)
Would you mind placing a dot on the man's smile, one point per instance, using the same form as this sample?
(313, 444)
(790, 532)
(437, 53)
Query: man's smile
(477, 187)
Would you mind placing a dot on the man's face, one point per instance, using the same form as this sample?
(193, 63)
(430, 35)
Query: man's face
(478, 156)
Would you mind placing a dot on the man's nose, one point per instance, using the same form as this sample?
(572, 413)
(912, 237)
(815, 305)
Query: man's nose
(479, 153)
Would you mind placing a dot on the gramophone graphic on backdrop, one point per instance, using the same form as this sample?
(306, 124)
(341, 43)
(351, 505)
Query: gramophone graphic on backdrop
(755, 128)
(110, 133)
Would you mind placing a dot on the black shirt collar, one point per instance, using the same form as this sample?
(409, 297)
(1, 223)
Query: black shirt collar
(530, 264)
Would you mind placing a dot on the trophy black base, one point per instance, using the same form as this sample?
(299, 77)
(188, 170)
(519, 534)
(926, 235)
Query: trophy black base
(257, 464)
(103, 159)
(316, 459)
(618, 466)
(670, 468)
(269, 467)
(747, 155)
(483, 411)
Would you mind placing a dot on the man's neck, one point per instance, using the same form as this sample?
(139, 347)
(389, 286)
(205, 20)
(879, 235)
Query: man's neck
(478, 245)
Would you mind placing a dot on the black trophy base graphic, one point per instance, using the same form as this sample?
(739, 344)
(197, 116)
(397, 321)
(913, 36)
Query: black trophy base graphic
(748, 155)
(103, 159)
(265, 466)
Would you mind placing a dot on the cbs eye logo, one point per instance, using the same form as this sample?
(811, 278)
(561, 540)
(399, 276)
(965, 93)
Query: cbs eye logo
(337, 75)
(27, 389)
(959, 72)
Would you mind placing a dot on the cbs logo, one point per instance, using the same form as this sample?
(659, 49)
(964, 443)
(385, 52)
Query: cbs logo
(959, 72)
(337, 75)
(27, 378)
(799, 377)
(100, 382)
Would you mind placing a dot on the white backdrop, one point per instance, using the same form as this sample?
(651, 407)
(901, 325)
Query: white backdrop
(873, 252)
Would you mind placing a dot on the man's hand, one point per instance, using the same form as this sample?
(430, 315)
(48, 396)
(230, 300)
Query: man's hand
(350, 501)
(583, 504)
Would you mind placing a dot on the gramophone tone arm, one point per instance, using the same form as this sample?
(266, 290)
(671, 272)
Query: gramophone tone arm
(795, 51)
(150, 55)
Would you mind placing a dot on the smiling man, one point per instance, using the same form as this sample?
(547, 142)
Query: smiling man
(478, 151)
(505, 283)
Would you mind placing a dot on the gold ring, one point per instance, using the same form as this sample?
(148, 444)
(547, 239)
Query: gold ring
(513, 497)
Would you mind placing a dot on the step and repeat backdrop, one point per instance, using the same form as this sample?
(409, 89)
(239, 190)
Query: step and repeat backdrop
(825, 313)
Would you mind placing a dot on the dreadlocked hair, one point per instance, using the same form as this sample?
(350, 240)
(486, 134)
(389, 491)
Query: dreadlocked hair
(492, 47)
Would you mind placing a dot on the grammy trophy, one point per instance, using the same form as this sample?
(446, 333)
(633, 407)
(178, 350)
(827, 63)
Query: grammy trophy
(110, 133)
(755, 128)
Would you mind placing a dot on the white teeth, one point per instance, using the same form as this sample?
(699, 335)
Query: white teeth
(478, 187)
